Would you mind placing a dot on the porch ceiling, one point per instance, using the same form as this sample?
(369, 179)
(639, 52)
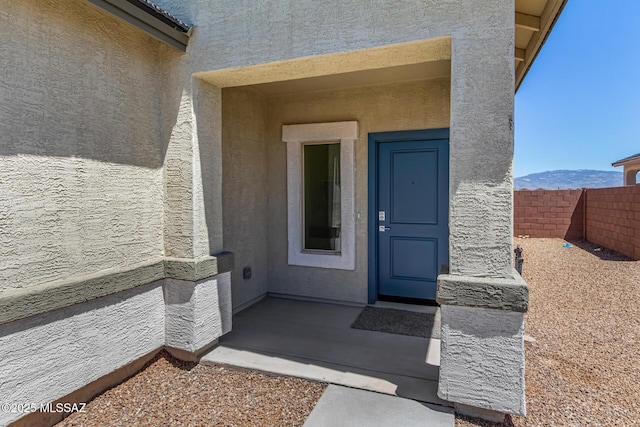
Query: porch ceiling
(407, 58)
(401, 73)
(534, 21)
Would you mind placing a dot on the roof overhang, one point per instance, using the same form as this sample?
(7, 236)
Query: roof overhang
(628, 161)
(149, 18)
(534, 20)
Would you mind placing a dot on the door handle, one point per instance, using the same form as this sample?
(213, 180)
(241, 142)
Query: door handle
(383, 228)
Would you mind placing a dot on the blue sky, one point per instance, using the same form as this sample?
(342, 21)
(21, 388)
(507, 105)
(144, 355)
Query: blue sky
(579, 105)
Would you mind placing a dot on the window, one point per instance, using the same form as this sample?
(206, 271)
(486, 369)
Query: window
(322, 205)
(320, 194)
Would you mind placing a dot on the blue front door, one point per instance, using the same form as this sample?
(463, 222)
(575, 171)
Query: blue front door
(412, 215)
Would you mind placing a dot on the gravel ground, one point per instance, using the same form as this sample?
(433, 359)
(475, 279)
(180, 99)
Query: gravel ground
(584, 367)
(169, 392)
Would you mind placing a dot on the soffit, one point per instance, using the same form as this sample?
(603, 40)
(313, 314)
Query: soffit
(379, 76)
(415, 60)
(534, 21)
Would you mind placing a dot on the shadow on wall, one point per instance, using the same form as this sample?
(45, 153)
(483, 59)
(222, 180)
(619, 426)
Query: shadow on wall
(50, 318)
(85, 91)
(576, 226)
(93, 89)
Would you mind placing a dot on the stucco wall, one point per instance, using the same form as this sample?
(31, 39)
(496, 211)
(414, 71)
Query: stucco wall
(80, 148)
(236, 36)
(84, 141)
(197, 312)
(244, 190)
(483, 358)
(48, 356)
(51, 355)
(247, 33)
(399, 106)
(191, 133)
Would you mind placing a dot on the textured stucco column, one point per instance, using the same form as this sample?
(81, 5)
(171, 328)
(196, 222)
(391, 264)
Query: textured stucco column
(481, 159)
(197, 313)
(482, 298)
(482, 344)
(192, 168)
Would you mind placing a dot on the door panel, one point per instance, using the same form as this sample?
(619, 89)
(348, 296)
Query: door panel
(409, 256)
(413, 236)
(413, 198)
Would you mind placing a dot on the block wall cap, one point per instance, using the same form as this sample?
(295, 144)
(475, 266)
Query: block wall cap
(510, 294)
(20, 303)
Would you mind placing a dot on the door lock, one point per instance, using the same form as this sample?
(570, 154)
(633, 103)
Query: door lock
(383, 228)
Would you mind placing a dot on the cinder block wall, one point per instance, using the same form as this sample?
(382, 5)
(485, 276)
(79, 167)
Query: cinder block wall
(613, 219)
(549, 213)
(609, 217)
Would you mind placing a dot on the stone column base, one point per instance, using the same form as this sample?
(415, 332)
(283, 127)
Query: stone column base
(482, 349)
(196, 313)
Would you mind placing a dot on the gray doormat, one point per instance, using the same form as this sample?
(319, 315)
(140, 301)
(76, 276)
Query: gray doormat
(398, 322)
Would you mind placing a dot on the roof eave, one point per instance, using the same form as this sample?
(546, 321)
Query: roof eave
(531, 52)
(176, 36)
(627, 160)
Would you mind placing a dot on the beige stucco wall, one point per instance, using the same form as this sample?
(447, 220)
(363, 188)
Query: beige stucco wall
(245, 190)
(80, 105)
(254, 177)
(249, 42)
(630, 172)
(112, 147)
(80, 147)
(401, 106)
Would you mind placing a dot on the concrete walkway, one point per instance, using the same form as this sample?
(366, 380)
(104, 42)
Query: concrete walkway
(314, 341)
(347, 407)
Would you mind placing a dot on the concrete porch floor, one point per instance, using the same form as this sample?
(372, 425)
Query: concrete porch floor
(314, 341)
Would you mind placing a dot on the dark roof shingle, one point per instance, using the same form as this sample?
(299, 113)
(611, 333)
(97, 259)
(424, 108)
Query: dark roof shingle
(161, 14)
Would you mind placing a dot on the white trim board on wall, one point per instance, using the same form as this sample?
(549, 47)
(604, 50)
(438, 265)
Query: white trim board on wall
(295, 136)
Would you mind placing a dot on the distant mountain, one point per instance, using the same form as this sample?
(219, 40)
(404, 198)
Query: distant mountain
(564, 179)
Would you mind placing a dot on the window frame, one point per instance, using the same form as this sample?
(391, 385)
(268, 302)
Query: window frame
(295, 136)
(303, 247)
